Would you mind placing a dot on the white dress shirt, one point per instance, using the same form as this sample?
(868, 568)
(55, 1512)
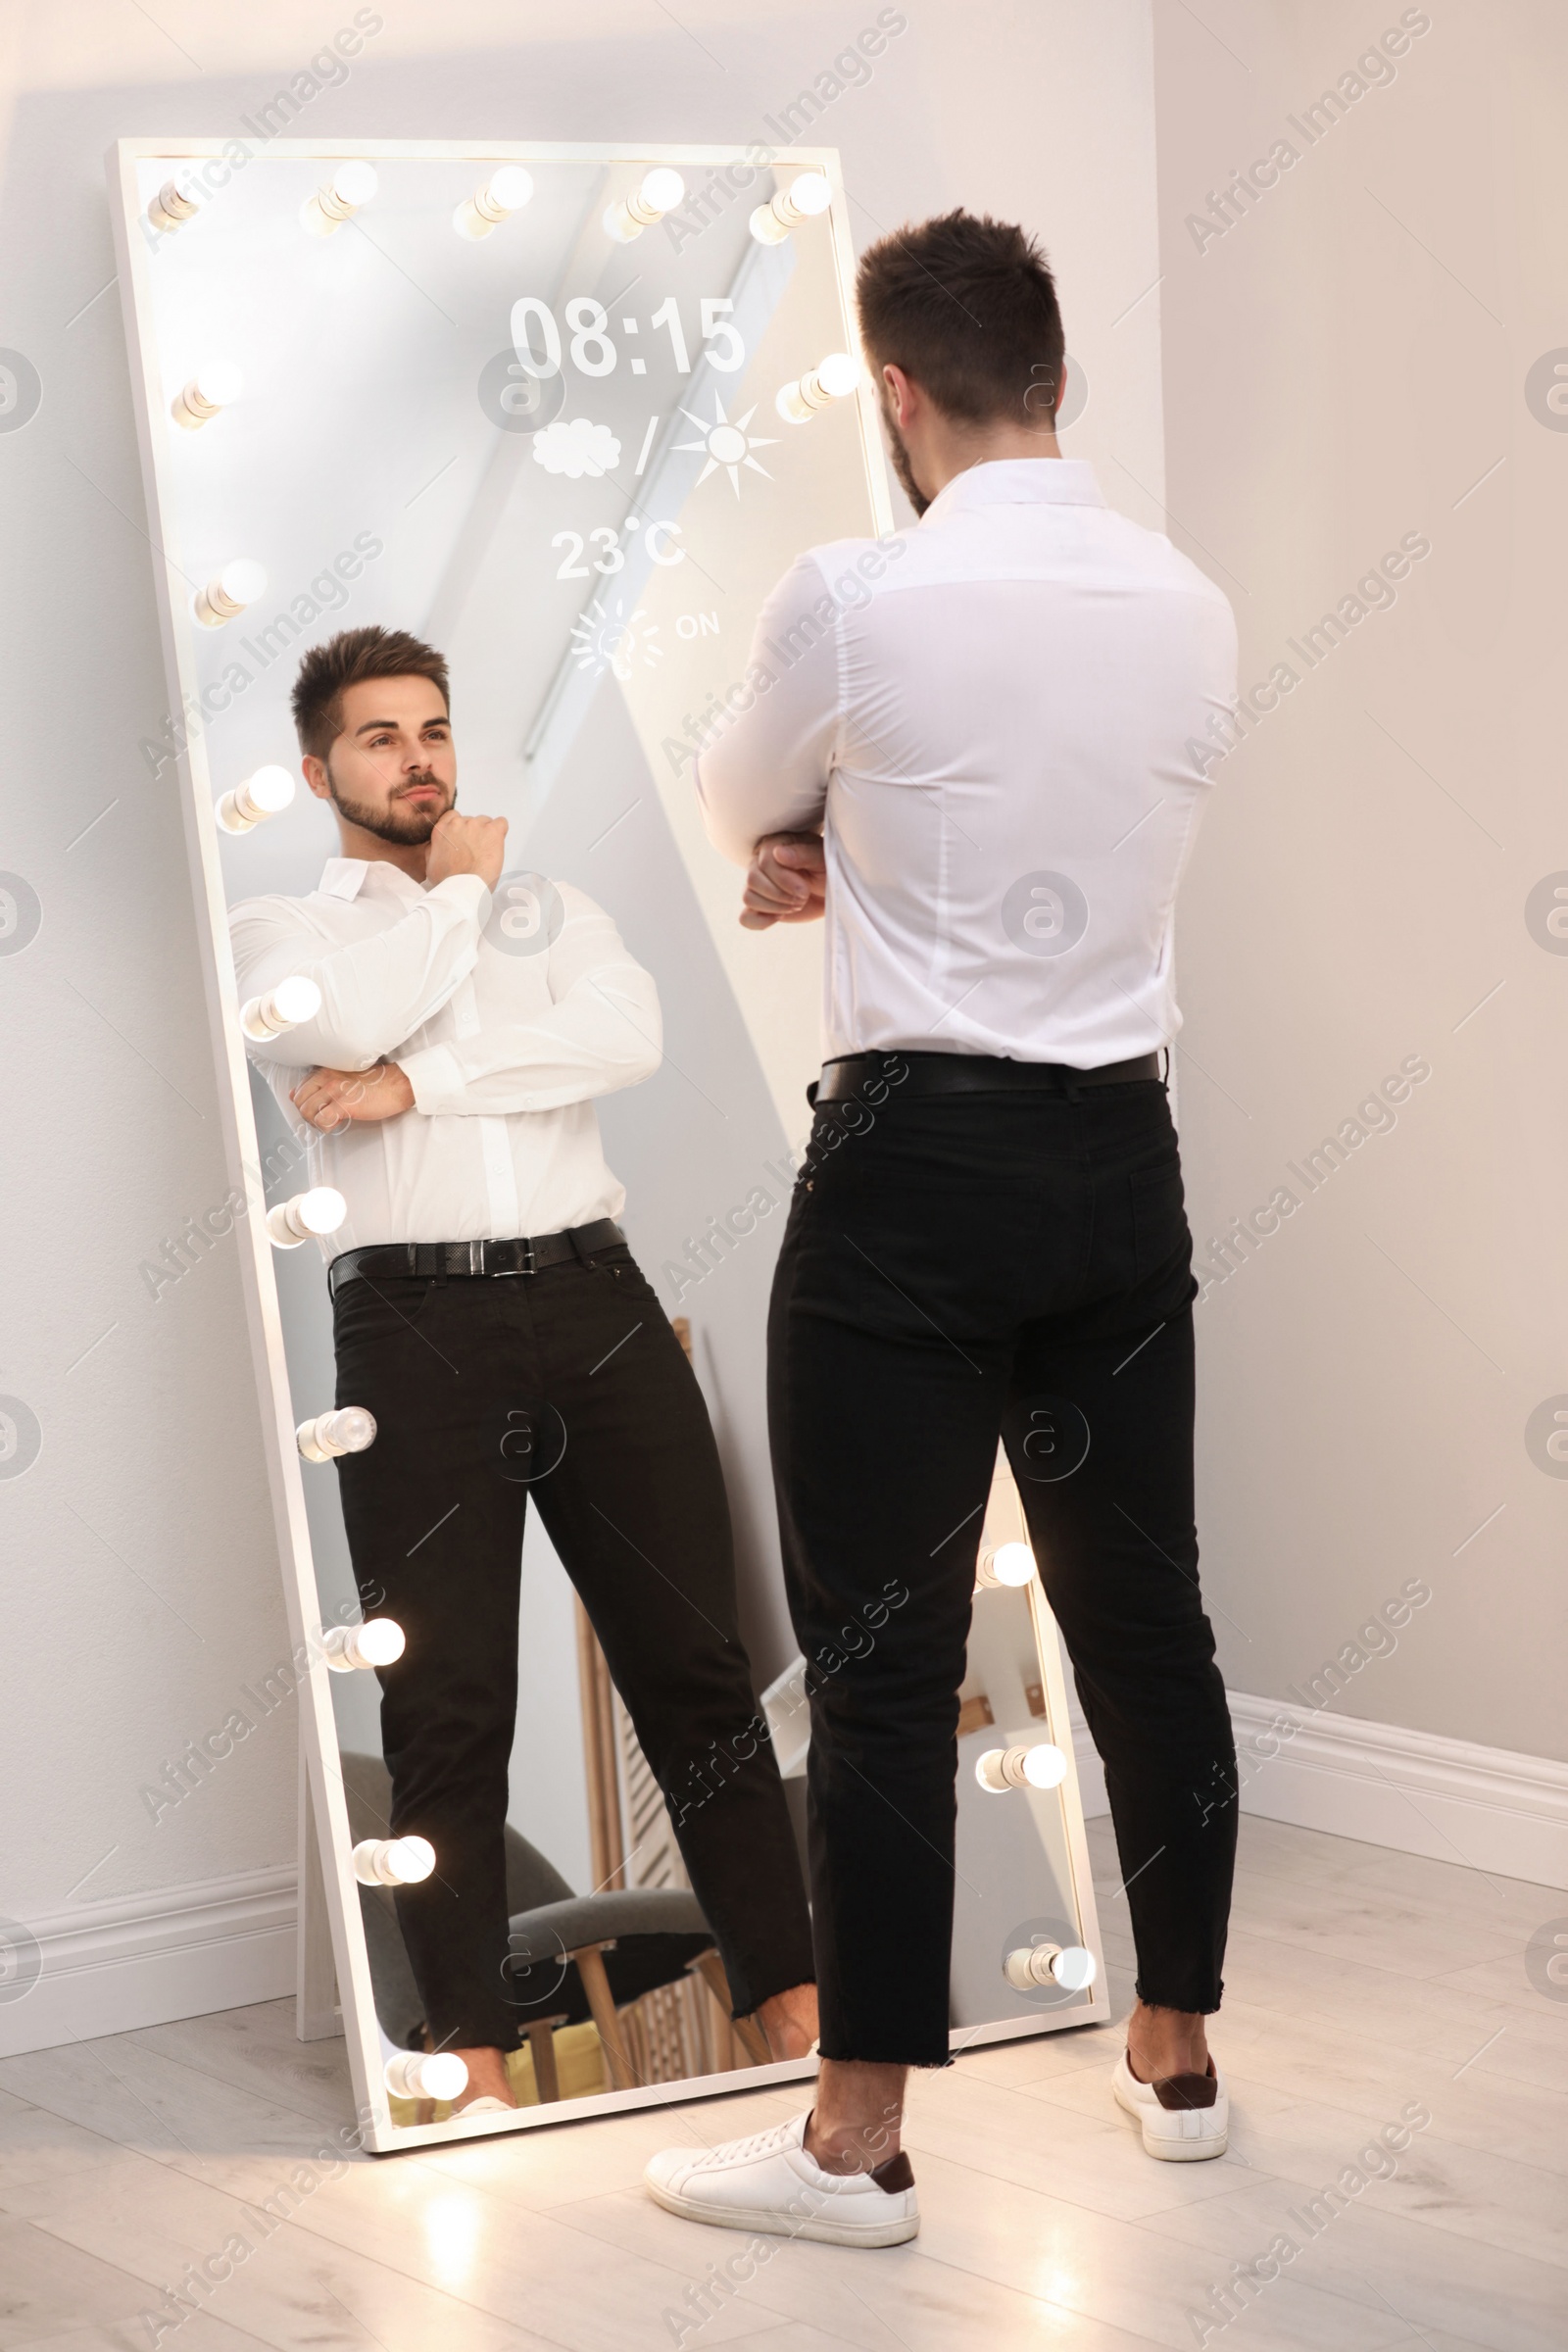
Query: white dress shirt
(504, 1051)
(1013, 696)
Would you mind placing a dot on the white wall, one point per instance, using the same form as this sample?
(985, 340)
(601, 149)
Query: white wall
(140, 1596)
(1348, 364)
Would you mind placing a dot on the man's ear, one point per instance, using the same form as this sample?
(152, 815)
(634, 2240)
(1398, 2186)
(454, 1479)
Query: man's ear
(314, 771)
(900, 394)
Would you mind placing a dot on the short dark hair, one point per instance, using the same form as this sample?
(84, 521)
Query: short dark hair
(967, 308)
(348, 660)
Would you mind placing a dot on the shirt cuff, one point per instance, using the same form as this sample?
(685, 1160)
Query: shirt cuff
(434, 1072)
(472, 893)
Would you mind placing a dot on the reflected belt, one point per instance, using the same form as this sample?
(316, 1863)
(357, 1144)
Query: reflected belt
(970, 1074)
(437, 1261)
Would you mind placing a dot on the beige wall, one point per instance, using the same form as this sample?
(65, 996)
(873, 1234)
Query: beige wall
(1345, 365)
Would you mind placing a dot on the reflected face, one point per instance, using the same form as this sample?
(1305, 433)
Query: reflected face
(393, 769)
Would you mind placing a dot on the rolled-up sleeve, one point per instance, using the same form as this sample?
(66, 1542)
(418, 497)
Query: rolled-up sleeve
(377, 991)
(768, 771)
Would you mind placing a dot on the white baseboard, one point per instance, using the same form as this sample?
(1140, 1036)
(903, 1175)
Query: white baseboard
(1416, 1791)
(145, 1959)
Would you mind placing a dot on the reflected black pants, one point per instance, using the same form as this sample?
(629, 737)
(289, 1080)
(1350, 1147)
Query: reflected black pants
(955, 1268)
(571, 1386)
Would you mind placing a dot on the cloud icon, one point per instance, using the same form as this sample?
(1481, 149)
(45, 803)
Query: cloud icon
(578, 448)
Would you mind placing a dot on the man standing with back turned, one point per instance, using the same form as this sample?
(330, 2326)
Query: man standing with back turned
(1001, 743)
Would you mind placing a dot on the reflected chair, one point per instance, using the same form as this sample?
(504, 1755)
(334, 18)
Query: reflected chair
(571, 1956)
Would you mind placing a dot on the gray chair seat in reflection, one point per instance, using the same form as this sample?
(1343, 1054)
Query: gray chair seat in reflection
(559, 1971)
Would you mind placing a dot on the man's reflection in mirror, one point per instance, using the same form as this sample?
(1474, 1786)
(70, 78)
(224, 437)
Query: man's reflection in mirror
(489, 1314)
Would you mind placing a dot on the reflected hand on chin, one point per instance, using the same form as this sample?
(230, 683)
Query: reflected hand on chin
(786, 881)
(466, 844)
(330, 1098)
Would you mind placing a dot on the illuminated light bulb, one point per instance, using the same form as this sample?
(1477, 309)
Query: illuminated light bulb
(317, 1212)
(1038, 1767)
(1071, 1966)
(209, 389)
(378, 1642)
(348, 1430)
(1007, 1564)
(175, 203)
(285, 1007)
(808, 194)
(833, 378)
(662, 190)
(237, 585)
(393, 1861)
(259, 797)
(339, 198)
(495, 200)
(426, 2074)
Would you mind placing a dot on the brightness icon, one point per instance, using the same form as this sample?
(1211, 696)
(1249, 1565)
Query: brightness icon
(616, 640)
(727, 445)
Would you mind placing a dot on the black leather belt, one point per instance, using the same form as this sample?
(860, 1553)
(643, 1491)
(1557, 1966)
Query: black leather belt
(439, 1261)
(969, 1074)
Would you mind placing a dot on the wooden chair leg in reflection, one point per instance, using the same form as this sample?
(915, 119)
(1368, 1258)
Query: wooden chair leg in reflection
(601, 2003)
(726, 2052)
(746, 2030)
(542, 2046)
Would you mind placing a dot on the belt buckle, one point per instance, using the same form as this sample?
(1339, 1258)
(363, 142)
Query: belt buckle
(507, 1273)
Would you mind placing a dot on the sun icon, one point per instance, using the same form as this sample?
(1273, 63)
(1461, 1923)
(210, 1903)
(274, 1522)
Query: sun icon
(727, 444)
(616, 640)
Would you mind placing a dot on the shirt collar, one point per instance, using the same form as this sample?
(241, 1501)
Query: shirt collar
(347, 877)
(1018, 482)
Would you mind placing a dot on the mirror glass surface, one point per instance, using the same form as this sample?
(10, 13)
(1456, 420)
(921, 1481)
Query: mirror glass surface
(560, 459)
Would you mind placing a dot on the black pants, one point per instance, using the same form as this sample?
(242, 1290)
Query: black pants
(956, 1267)
(571, 1384)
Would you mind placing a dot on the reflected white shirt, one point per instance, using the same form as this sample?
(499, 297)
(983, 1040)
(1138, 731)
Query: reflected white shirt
(1020, 699)
(504, 1051)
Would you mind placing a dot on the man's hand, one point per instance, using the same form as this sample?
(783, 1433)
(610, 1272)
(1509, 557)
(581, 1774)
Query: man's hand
(466, 844)
(786, 882)
(330, 1098)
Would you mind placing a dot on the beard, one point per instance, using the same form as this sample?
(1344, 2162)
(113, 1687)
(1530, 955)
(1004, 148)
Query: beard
(900, 460)
(396, 823)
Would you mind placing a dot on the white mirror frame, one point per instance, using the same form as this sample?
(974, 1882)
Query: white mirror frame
(325, 1858)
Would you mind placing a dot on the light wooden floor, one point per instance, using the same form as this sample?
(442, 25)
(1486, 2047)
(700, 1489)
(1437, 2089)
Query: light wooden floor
(1358, 1980)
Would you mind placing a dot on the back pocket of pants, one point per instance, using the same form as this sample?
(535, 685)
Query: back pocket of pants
(1160, 1217)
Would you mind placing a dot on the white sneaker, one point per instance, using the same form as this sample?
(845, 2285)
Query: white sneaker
(1185, 2118)
(769, 2183)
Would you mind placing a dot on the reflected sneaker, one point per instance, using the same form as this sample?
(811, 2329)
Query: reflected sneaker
(769, 2183)
(1185, 2118)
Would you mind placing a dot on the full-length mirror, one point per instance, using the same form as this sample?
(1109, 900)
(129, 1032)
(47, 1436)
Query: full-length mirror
(470, 468)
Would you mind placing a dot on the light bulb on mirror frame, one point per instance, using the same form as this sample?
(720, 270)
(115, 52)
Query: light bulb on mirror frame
(211, 388)
(261, 796)
(660, 191)
(308, 1215)
(175, 203)
(493, 201)
(831, 379)
(1072, 1965)
(1040, 1766)
(348, 1429)
(282, 1008)
(426, 2074)
(378, 1642)
(1004, 1564)
(225, 598)
(393, 1861)
(339, 198)
(808, 194)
